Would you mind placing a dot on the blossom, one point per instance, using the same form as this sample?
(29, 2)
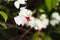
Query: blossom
(41, 24)
(20, 20)
(25, 12)
(56, 19)
(45, 22)
(24, 16)
(38, 24)
(54, 22)
(31, 23)
(43, 16)
(35, 23)
(18, 2)
(55, 15)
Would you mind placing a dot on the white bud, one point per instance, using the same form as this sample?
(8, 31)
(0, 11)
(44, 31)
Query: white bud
(43, 16)
(55, 15)
(16, 4)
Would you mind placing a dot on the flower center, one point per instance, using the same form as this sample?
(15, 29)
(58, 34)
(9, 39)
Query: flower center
(27, 18)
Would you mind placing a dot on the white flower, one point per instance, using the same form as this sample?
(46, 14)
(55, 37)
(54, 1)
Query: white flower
(54, 22)
(20, 20)
(31, 23)
(18, 2)
(43, 16)
(58, 18)
(38, 28)
(45, 22)
(25, 12)
(55, 15)
(38, 24)
(22, 1)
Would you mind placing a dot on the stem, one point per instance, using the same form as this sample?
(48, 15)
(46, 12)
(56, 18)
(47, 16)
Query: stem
(25, 33)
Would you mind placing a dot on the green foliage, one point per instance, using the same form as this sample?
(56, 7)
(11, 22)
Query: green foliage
(4, 15)
(57, 30)
(47, 38)
(40, 36)
(36, 35)
(41, 8)
(51, 4)
(4, 25)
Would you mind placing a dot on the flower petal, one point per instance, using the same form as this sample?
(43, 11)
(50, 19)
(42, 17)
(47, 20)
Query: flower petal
(22, 1)
(16, 4)
(19, 20)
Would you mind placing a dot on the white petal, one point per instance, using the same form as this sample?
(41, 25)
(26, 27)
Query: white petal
(37, 28)
(43, 16)
(55, 15)
(29, 12)
(58, 19)
(31, 22)
(22, 1)
(19, 20)
(54, 22)
(25, 12)
(38, 23)
(45, 21)
(16, 4)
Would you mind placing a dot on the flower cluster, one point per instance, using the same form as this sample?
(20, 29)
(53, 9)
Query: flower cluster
(55, 19)
(25, 17)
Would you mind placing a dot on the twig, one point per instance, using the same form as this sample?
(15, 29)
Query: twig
(25, 33)
(13, 26)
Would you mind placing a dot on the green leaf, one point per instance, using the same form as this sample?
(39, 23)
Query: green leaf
(51, 4)
(4, 15)
(57, 30)
(41, 36)
(41, 8)
(47, 38)
(4, 25)
(37, 34)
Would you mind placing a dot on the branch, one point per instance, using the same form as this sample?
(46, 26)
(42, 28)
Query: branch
(25, 33)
